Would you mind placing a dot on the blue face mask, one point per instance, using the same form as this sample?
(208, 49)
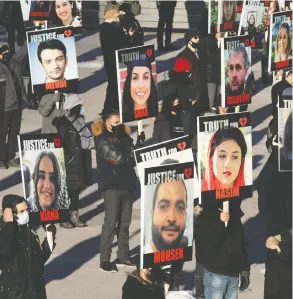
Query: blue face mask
(23, 218)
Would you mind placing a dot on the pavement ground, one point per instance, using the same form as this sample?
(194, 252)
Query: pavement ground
(73, 270)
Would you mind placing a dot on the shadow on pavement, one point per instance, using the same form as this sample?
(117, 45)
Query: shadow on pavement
(72, 259)
(10, 181)
(255, 238)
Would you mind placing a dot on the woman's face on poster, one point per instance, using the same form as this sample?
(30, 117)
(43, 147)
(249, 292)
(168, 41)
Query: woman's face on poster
(251, 20)
(64, 10)
(282, 40)
(228, 8)
(46, 183)
(227, 162)
(140, 86)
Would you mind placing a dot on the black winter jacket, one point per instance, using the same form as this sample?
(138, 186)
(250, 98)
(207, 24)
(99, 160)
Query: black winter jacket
(222, 248)
(213, 61)
(112, 38)
(12, 100)
(161, 131)
(115, 162)
(22, 260)
(78, 161)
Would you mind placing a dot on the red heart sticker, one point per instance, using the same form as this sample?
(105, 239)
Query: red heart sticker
(188, 172)
(246, 42)
(181, 145)
(243, 121)
(149, 52)
(67, 33)
(57, 142)
(253, 45)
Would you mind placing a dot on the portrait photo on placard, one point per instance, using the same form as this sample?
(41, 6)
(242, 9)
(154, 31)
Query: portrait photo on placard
(254, 21)
(167, 214)
(236, 71)
(44, 177)
(66, 13)
(228, 19)
(137, 83)
(225, 155)
(285, 134)
(281, 40)
(53, 62)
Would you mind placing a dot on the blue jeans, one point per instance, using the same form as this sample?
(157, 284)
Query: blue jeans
(218, 286)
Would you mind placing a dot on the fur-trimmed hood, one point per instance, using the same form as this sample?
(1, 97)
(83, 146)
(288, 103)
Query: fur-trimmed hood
(98, 128)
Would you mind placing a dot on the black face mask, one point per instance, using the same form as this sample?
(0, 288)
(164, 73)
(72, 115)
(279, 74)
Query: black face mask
(195, 45)
(117, 130)
(175, 109)
(6, 57)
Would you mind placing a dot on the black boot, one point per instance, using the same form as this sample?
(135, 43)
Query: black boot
(199, 288)
(75, 220)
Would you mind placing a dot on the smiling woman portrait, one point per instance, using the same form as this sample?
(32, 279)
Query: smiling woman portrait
(226, 160)
(283, 43)
(140, 92)
(65, 13)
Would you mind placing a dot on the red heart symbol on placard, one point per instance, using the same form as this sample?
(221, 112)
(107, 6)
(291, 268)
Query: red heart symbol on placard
(267, 3)
(181, 145)
(188, 172)
(149, 52)
(67, 33)
(57, 142)
(243, 121)
(246, 42)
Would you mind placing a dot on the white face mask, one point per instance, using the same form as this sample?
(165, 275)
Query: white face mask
(23, 218)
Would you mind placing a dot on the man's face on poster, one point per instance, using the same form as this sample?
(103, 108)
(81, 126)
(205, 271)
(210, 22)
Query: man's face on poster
(169, 215)
(228, 8)
(46, 183)
(237, 71)
(54, 63)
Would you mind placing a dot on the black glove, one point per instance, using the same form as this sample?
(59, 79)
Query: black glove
(140, 139)
(244, 281)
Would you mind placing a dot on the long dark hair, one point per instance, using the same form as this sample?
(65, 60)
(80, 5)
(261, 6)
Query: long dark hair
(56, 168)
(127, 101)
(53, 16)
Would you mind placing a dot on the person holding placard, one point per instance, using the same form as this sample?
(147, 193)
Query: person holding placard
(117, 182)
(224, 257)
(78, 141)
(22, 256)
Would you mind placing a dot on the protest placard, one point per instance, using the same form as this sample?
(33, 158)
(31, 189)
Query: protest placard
(225, 156)
(44, 178)
(137, 83)
(237, 79)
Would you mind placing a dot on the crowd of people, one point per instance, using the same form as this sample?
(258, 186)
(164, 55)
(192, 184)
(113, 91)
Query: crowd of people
(193, 88)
